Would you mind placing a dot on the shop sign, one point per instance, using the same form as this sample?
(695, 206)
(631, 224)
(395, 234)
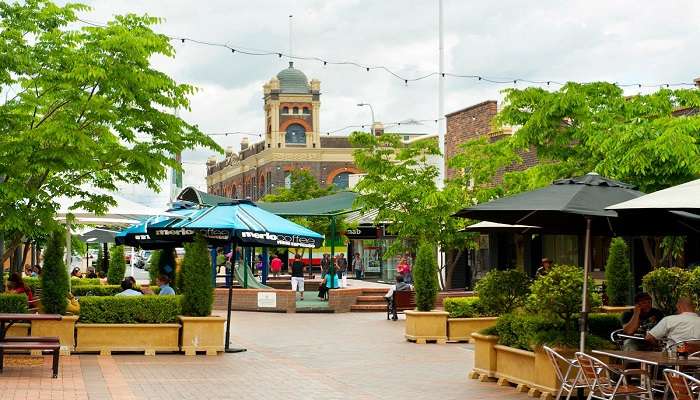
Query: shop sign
(267, 300)
(362, 232)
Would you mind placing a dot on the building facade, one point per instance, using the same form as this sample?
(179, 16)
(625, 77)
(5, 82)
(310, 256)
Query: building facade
(292, 141)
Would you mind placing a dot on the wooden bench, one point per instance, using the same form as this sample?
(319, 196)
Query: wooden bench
(402, 301)
(40, 343)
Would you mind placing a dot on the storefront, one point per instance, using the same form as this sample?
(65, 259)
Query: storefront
(371, 243)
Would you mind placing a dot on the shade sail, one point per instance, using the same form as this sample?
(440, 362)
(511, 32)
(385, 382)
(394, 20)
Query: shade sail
(685, 197)
(239, 221)
(326, 205)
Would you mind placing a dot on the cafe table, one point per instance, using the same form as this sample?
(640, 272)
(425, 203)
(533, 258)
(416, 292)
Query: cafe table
(7, 319)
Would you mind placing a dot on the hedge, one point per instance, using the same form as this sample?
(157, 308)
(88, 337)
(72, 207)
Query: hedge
(13, 303)
(129, 309)
(33, 282)
(464, 307)
(102, 290)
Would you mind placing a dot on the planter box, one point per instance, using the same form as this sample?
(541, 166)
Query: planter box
(461, 329)
(484, 356)
(422, 326)
(530, 371)
(202, 334)
(19, 329)
(64, 329)
(148, 338)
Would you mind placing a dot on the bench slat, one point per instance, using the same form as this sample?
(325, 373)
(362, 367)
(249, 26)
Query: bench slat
(29, 346)
(13, 339)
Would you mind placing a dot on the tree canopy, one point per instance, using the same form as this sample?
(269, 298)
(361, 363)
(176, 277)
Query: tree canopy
(84, 109)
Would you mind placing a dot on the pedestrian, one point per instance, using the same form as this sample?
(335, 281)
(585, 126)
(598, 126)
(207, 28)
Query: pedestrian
(404, 270)
(343, 270)
(298, 269)
(220, 260)
(259, 266)
(358, 266)
(164, 284)
(275, 266)
(545, 267)
(325, 264)
(400, 286)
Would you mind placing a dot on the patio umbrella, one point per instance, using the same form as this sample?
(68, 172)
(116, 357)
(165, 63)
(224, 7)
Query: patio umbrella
(137, 235)
(488, 227)
(572, 205)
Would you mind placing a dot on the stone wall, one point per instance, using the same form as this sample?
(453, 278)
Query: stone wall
(247, 300)
(340, 300)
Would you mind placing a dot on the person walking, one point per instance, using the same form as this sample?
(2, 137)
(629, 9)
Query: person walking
(275, 266)
(325, 264)
(343, 270)
(358, 266)
(298, 269)
(404, 270)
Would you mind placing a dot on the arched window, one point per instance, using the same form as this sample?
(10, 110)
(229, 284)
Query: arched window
(342, 180)
(288, 180)
(295, 110)
(306, 111)
(296, 134)
(285, 110)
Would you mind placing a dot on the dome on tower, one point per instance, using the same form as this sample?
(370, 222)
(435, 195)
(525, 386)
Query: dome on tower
(293, 80)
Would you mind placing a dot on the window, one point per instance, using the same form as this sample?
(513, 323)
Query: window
(306, 111)
(296, 134)
(342, 180)
(288, 180)
(295, 110)
(285, 110)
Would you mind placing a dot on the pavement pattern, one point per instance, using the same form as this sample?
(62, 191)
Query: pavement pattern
(289, 356)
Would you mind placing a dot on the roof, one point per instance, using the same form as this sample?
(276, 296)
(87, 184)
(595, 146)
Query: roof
(199, 197)
(326, 205)
(293, 80)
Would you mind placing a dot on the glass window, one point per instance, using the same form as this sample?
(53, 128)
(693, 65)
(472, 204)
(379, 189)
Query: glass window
(296, 134)
(342, 180)
(295, 110)
(285, 110)
(562, 249)
(306, 111)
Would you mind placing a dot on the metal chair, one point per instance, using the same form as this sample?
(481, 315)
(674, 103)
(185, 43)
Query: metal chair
(619, 336)
(601, 385)
(568, 383)
(682, 386)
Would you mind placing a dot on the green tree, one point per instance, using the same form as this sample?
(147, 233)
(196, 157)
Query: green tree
(54, 276)
(197, 293)
(618, 274)
(84, 109)
(98, 262)
(425, 279)
(399, 183)
(117, 265)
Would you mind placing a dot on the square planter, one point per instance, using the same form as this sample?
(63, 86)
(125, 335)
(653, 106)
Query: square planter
(148, 338)
(530, 371)
(461, 329)
(64, 329)
(19, 329)
(422, 326)
(484, 356)
(202, 334)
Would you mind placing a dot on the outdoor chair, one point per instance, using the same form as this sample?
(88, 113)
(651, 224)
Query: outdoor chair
(682, 386)
(619, 336)
(571, 378)
(600, 381)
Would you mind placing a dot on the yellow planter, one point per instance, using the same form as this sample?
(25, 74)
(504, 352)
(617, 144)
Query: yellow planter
(202, 334)
(422, 326)
(64, 329)
(461, 329)
(19, 329)
(531, 371)
(484, 356)
(106, 338)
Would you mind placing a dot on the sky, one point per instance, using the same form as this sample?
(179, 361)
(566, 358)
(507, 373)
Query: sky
(620, 41)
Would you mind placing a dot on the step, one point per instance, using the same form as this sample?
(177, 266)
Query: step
(371, 299)
(374, 291)
(368, 308)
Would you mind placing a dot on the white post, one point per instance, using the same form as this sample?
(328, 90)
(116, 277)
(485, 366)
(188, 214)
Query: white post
(441, 97)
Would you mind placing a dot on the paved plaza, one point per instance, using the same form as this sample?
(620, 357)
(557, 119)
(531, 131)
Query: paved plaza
(290, 356)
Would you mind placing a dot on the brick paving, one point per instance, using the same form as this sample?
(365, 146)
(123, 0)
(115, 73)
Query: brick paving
(290, 356)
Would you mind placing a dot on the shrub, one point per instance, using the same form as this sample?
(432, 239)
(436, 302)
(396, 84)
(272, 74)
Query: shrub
(558, 293)
(617, 273)
(663, 285)
(32, 283)
(13, 303)
(117, 266)
(129, 309)
(99, 262)
(425, 278)
(464, 307)
(502, 291)
(197, 293)
(691, 288)
(84, 281)
(153, 263)
(54, 276)
(102, 290)
(602, 325)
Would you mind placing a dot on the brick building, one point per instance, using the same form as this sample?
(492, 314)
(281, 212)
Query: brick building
(292, 141)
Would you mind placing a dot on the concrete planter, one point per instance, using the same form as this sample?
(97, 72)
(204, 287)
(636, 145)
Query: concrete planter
(461, 329)
(148, 338)
(64, 329)
(18, 329)
(202, 334)
(422, 326)
(484, 356)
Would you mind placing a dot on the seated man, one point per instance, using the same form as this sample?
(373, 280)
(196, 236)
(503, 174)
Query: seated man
(164, 284)
(683, 326)
(128, 289)
(400, 286)
(639, 321)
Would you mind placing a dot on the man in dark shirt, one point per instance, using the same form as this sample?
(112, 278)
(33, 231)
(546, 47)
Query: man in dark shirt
(638, 321)
(298, 275)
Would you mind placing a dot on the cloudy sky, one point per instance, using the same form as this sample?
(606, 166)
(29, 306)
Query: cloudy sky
(622, 41)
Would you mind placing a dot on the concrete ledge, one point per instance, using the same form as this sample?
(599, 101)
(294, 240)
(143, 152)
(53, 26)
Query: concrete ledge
(247, 300)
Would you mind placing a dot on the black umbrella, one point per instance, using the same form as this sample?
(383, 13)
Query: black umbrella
(572, 205)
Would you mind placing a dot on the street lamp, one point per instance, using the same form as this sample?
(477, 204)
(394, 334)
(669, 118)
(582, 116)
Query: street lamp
(372, 110)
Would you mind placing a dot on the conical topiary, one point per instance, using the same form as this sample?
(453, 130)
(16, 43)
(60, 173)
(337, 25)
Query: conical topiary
(97, 265)
(54, 276)
(117, 265)
(197, 293)
(618, 274)
(425, 278)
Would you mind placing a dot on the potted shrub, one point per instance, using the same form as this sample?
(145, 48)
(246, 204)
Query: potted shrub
(136, 323)
(15, 303)
(54, 295)
(466, 316)
(200, 330)
(425, 323)
(618, 276)
(117, 265)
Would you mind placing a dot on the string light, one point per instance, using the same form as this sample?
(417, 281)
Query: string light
(325, 62)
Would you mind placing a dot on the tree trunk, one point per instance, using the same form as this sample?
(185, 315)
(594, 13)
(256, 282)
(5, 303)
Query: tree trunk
(27, 246)
(653, 251)
(455, 255)
(16, 267)
(10, 248)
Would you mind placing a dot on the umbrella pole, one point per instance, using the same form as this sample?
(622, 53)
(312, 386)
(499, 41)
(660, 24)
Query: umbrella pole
(584, 304)
(227, 346)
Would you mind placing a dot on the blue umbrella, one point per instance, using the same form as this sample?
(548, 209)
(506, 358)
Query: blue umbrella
(137, 235)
